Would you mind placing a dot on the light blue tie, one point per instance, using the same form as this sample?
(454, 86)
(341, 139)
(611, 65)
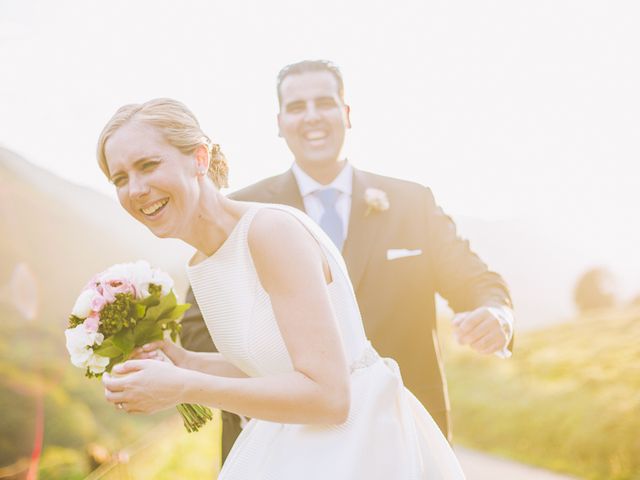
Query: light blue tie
(330, 221)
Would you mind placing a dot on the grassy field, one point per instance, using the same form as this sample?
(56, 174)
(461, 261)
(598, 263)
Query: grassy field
(568, 400)
(168, 452)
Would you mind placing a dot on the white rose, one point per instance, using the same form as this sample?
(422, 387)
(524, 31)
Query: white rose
(163, 280)
(97, 363)
(118, 271)
(79, 342)
(82, 307)
(125, 271)
(141, 276)
(140, 271)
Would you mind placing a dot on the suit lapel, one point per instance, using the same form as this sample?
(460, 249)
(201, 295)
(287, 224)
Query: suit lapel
(284, 189)
(363, 230)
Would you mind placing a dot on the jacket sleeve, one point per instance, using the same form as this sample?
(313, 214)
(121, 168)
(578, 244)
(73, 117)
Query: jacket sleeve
(461, 277)
(195, 334)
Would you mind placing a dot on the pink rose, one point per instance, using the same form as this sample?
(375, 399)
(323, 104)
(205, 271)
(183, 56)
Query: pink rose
(98, 302)
(105, 290)
(92, 322)
(113, 287)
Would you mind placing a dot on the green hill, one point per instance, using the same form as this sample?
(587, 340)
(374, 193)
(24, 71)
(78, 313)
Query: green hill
(55, 237)
(568, 400)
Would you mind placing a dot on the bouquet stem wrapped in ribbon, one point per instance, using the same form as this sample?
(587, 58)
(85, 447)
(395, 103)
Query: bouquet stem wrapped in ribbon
(123, 308)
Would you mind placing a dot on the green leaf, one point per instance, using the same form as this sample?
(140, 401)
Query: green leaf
(124, 341)
(141, 330)
(155, 335)
(177, 312)
(140, 310)
(167, 303)
(149, 334)
(150, 301)
(108, 349)
(74, 321)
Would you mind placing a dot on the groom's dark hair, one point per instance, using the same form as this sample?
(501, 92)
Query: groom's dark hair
(306, 66)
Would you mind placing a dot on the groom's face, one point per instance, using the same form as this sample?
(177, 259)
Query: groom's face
(313, 119)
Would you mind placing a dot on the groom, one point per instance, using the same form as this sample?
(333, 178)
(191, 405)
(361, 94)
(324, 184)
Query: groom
(399, 246)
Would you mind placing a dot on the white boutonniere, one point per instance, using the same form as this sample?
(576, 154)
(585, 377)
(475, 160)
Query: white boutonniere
(376, 200)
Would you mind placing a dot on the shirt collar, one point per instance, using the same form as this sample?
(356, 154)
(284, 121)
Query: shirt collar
(307, 185)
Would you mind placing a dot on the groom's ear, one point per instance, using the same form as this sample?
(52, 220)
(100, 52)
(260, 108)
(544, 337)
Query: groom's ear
(347, 112)
(279, 128)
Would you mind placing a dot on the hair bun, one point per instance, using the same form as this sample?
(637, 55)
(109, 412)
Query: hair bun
(218, 168)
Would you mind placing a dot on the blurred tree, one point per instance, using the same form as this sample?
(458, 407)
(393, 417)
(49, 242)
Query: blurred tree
(16, 425)
(595, 289)
(635, 301)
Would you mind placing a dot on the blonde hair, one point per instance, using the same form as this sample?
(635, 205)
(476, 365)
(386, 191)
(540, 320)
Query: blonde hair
(178, 126)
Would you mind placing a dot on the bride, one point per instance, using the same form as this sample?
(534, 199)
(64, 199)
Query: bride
(275, 295)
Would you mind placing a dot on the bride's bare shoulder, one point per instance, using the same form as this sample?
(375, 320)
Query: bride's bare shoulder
(277, 234)
(273, 223)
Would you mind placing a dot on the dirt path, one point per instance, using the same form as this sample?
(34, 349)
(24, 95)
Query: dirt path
(481, 466)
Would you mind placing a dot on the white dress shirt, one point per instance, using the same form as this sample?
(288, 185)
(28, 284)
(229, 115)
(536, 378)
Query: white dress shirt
(506, 320)
(312, 204)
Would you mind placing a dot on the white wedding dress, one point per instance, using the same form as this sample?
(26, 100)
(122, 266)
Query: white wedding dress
(388, 434)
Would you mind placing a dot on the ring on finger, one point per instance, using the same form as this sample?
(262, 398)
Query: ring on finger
(120, 406)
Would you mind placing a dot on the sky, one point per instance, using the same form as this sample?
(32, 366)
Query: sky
(508, 110)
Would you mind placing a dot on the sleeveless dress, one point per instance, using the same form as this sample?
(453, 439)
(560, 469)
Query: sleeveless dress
(388, 433)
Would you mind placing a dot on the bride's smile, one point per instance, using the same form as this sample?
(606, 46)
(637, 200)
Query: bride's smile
(155, 208)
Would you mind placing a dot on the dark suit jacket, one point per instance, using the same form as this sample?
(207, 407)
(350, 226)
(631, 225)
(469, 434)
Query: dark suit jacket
(396, 297)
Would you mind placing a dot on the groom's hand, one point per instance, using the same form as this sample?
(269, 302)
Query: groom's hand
(481, 330)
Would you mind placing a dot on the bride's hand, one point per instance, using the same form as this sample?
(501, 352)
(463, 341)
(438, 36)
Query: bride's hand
(143, 386)
(162, 350)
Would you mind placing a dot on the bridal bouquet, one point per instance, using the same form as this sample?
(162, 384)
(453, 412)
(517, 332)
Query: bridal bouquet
(119, 310)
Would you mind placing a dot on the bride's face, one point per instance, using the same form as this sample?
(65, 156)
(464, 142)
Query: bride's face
(156, 183)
